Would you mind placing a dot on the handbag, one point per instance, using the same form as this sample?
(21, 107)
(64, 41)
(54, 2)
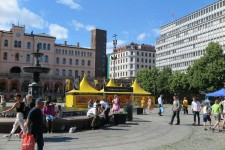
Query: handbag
(162, 109)
(28, 142)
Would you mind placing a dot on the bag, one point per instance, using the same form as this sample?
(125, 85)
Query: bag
(28, 142)
(162, 109)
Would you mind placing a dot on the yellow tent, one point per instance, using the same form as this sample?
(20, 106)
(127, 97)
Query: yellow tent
(139, 94)
(79, 98)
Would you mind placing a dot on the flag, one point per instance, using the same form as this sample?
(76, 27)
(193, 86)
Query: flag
(68, 85)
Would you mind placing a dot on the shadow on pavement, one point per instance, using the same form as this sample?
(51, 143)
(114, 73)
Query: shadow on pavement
(58, 139)
(116, 129)
(132, 123)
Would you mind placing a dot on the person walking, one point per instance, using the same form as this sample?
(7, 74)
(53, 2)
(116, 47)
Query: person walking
(35, 123)
(196, 108)
(19, 106)
(149, 104)
(216, 111)
(206, 115)
(176, 110)
(185, 105)
(160, 104)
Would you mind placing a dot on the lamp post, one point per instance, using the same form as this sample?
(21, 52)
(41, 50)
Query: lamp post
(114, 57)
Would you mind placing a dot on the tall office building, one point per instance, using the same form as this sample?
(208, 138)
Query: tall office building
(184, 40)
(98, 42)
(130, 59)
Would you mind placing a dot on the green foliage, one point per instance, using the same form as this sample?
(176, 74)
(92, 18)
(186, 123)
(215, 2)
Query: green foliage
(162, 80)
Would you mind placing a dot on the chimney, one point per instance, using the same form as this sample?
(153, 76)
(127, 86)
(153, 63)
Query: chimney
(78, 44)
(65, 43)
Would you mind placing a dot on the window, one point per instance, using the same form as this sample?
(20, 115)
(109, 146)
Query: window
(70, 62)
(6, 43)
(70, 72)
(82, 73)
(40, 45)
(89, 63)
(44, 46)
(63, 72)
(57, 72)
(89, 74)
(49, 47)
(57, 60)
(83, 62)
(15, 44)
(28, 45)
(149, 54)
(65, 52)
(137, 59)
(77, 62)
(5, 55)
(17, 57)
(64, 61)
(28, 58)
(76, 73)
(46, 58)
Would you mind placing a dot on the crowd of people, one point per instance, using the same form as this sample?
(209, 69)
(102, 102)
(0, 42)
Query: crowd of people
(209, 111)
(31, 115)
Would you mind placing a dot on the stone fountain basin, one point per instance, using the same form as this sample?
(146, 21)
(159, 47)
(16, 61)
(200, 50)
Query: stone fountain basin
(36, 69)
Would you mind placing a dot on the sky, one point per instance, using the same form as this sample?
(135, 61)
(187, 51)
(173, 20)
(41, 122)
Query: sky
(137, 21)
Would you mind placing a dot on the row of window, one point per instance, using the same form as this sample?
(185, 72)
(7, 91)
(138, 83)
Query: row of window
(124, 74)
(190, 25)
(71, 62)
(133, 53)
(70, 73)
(125, 60)
(122, 67)
(18, 44)
(199, 13)
(72, 52)
(28, 57)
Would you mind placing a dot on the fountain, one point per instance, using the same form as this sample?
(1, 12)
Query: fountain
(35, 89)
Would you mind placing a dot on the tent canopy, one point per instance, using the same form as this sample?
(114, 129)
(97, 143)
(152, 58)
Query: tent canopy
(218, 93)
(138, 90)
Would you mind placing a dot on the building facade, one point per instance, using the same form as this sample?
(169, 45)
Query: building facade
(184, 40)
(65, 62)
(98, 42)
(130, 59)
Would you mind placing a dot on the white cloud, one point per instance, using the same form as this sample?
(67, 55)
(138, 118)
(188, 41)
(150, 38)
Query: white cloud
(156, 32)
(77, 25)
(141, 36)
(11, 13)
(71, 3)
(58, 31)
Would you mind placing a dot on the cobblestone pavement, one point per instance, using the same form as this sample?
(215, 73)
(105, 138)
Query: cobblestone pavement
(145, 132)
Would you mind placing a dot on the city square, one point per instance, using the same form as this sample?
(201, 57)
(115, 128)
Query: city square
(145, 132)
(166, 58)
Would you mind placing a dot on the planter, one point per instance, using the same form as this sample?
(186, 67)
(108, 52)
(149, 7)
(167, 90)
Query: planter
(139, 111)
(120, 118)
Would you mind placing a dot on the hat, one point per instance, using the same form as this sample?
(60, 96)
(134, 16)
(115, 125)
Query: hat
(17, 95)
(39, 99)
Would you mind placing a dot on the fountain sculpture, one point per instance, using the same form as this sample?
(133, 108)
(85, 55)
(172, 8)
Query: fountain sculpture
(35, 89)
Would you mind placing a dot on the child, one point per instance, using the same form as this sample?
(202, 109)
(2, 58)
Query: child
(206, 115)
(143, 105)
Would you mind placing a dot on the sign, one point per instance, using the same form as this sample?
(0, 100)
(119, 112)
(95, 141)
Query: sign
(118, 89)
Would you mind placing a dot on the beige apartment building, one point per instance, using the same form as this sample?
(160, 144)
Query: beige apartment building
(65, 62)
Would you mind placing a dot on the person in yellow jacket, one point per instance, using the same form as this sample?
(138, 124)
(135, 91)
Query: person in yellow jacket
(143, 105)
(185, 105)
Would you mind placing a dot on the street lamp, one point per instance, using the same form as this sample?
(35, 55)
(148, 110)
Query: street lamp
(114, 57)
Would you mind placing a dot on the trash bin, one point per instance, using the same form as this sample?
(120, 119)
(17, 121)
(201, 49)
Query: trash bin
(139, 111)
(128, 108)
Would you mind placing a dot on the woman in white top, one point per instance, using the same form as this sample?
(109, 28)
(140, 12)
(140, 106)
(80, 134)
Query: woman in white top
(196, 108)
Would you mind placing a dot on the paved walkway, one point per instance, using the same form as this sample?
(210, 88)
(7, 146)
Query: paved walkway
(145, 132)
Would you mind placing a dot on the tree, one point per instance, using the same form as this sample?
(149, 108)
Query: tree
(162, 80)
(208, 73)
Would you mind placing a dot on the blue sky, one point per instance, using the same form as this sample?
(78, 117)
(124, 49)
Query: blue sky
(136, 21)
